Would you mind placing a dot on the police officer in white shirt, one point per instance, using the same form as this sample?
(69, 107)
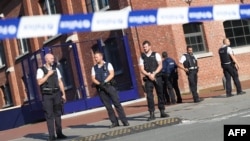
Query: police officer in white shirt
(189, 64)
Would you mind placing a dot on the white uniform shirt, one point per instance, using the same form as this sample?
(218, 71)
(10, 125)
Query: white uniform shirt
(229, 49)
(40, 73)
(183, 58)
(157, 55)
(110, 67)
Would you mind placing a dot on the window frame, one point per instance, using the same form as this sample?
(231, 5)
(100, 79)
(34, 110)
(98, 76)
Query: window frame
(7, 95)
(109, 49)
(2, 55)
(94, 5)
(47, 6)
(23, 46)
(233, 36)
(63, 68)
(194, 35)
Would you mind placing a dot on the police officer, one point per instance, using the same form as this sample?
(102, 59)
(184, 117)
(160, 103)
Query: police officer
(170, 78)
(102, 74)
(53, 94)
(189, 64)
(151, 65)
(230, 68)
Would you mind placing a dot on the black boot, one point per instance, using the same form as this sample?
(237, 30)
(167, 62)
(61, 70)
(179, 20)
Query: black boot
(163, 114)
(51, 138)
(61, 136)
(114, 124)
(125, 123)
(151, 116)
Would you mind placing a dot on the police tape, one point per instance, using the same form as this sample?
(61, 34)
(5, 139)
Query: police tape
(50, 25)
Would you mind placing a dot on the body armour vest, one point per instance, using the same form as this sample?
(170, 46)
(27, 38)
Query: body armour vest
(190, 61)
(101, 73)
(150, 63)
(224, 57)
(52, 81)
(169, 65)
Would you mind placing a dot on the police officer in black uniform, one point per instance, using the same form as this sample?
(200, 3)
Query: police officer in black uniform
(53, 94)
(151, 66)
(189, 64)
(230, 68)
(170, 78)
(102, 75)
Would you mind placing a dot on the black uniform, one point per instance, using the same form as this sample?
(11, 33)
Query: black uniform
(150, 65)
(176, 87)
(108, 92)
(229, 71)
(191, 64)
(52, 104)
(170, 78)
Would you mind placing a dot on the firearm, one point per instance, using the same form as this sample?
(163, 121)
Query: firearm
(103, 87)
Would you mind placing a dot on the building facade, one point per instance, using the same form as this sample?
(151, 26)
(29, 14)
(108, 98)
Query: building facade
(19, 58)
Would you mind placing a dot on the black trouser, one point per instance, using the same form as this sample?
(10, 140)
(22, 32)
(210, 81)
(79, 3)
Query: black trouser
(109, 95)
(52, 107)
(168, 89)
(149, 86)
(176, 88)
(230, 71)
(192, 80)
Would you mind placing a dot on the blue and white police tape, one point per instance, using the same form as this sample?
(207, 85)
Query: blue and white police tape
(50, 25)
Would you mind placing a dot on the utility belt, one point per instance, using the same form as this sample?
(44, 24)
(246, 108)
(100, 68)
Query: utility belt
(49, 91)
(227, 63)
(192, 68)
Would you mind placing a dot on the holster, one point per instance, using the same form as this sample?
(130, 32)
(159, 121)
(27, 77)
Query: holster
(145, 78)
(102, 87)
(233, 65)
(112, 82)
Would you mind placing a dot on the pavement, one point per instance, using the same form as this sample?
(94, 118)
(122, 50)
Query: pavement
(94, 124)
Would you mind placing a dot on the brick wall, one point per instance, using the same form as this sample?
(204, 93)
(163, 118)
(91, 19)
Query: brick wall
(171, 39)
(168, 38)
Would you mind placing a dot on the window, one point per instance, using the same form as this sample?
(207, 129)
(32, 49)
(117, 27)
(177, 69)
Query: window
(238, 32)
(7, 95)
(114, 50)
(23, 46)
(194, 36)
(65, 72)
(2, 57)
(97, 5)
(49, 7)
(111, 51)
(27, 81)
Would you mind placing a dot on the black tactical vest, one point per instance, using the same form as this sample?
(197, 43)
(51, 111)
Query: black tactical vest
(150, 63)
(101, 73)
(190, 61)
(52, 81)
(224, 57)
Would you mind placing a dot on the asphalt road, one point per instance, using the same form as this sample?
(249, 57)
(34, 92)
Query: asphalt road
(200, 122)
